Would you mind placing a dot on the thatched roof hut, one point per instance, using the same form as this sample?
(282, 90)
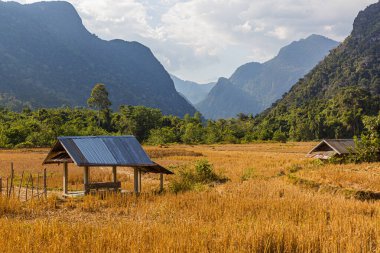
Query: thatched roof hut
(332, 147)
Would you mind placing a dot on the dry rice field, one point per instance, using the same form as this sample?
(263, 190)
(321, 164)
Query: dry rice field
(275, 201)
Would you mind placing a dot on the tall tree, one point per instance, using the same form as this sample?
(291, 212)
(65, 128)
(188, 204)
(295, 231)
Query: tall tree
(99, 99)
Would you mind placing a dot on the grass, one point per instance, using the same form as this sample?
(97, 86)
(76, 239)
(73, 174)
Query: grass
(257, 210)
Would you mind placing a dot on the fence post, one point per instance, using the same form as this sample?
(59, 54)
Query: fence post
(26, 189)
(7, 186)
(45, 183)
(31, 177)
(19, 187)
(11, 183)
(1, 186)
(38, 185)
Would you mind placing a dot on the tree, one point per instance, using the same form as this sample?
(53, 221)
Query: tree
(99, 99)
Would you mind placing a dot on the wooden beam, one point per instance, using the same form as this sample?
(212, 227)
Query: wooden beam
(65, 178)
(104, 185)
(161, 182)
(114, 177)
(136, 180)
(86, 178)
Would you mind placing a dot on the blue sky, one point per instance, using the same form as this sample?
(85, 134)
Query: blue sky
(201, 40)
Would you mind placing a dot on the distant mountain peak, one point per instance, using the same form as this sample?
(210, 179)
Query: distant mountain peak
(192, 91)
(49, 59)
(259, 85)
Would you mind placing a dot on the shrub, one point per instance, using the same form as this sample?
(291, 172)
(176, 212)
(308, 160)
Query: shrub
(248, 174)
(195, 179)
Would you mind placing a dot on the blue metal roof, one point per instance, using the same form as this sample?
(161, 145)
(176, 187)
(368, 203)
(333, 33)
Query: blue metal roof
(105, 151)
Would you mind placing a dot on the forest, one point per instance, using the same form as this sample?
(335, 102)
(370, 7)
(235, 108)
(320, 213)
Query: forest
(39, 128)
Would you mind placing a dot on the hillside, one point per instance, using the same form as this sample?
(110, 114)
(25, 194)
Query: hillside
(332, 99)
(267, 82)
(49, 59)
(194, 92)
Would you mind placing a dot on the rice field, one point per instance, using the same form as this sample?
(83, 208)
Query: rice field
(260, 209)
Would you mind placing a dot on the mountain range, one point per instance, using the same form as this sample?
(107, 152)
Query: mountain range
(49, 59)
(192, 91)
(254, 86)
(332, 100)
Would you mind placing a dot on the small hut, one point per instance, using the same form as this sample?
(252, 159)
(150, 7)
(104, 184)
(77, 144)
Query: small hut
(103, 151)
(332, 147)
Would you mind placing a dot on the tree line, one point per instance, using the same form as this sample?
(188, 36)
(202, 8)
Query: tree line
(41, 127)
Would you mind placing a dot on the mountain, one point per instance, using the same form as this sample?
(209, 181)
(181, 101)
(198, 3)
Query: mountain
(229, 92)
(267, 82)
(333, 99)
(194, 92)
(49, 59)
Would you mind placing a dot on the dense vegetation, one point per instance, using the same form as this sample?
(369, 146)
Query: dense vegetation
(332, 100)
(40, 127)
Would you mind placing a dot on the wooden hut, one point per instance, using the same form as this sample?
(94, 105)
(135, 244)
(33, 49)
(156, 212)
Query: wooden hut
(103, 151)
(332, 147)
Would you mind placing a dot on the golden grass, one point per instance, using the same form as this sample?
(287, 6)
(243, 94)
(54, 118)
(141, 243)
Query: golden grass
(262, 213)
(356, 176)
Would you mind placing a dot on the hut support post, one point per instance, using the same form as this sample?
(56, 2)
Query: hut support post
(140, 173)
(136, 180)
(65, 178)
(161, 182)
(114, 177)
(86, 177)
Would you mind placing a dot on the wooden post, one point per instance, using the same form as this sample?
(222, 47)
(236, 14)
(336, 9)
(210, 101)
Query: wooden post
(38, 185)
(26, 189)
(114, 176)
(19, 187)
(11, 183)
(45, 183)
(86, 177)
(140, 180)
(31, 179)
(161, 182)
(6, 193)
(65, 178)
(1, 186)
(136, 180)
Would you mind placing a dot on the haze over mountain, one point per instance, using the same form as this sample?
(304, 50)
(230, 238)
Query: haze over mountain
(265, 83)
(192, 91)
(49, 59)
(332, 100)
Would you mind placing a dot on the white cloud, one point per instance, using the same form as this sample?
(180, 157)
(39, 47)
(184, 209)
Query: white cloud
(203, 39)
(280, 32)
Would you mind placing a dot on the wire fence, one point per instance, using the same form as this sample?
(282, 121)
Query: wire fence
(24, 187)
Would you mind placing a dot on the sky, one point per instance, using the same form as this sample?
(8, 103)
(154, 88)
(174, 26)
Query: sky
(202, 40)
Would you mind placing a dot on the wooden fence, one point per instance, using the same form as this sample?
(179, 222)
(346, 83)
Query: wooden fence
(24, 187)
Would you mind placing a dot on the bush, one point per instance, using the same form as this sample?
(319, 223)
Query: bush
(248, 174)
(197, 178)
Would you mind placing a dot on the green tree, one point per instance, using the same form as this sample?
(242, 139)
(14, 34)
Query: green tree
(99, 99)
